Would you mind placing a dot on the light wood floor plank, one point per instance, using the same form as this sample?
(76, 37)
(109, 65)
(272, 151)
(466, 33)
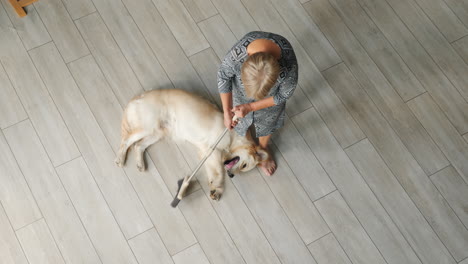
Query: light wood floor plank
(418, 60)
(444, 134)
(327, 250)
(315, 87)
(466, 137)
(268, 213)
(35, 98)
(51, 197)
(236, 16)
(307, 33)
(361, 200)
(79, 8)
(15, 195)
(461, 46)
(302, 161)
(433, 41)
(444, 19)
(182, 25)
(62, 29)
(218, 35)
(93, 145)
(109, 57)
(11, 109)
(347, 230)
(379, 49)
(397, 202)
(455, 191)
(400, 117)
(295, 201)
(133, 45)
(94, 212)
(200, 9)
(149, 185)
(399, 160)
(460, 8)
(10, 249)
(30, 28)
(246, 234)
(209, 230)
(193, 254)
(38, 244)
(149, 248)
(206, 63)
(4, 20)
(165, 46)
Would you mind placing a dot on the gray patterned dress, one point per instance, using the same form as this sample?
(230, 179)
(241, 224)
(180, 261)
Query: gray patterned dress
(266, 120)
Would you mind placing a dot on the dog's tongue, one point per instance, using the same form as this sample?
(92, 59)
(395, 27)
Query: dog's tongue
(231, 164)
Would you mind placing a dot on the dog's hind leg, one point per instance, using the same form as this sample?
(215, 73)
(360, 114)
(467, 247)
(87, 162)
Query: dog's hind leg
(140, 147)
(126, 142)
(215, 173)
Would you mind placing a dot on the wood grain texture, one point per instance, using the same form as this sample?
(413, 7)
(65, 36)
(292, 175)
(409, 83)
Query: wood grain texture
(460, 8)
(302, 161)
(149, 248)
(218, 34)
(35, 99)
(132, 44)
(443, 133)
(30, 28)
(62, 29)
(79, 8)
(420, 62)
(361, 200)
(335, 211)
(327, 250)
(11, 109)
(400, 161)
(200, 9)
(378, 48)
(433, 41)
(15, 195)
(96, 216)
(182, 25)
(38, 244)
(10, 248)
(94, 147)
(193, 254)
(209, 230)
(454, 190)
(400, 117)
(236, 16)
(461, 46)
(165, 46)
(51, 197)
(396, 202)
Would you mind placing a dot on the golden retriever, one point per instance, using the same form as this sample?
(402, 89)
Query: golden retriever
(180, 115)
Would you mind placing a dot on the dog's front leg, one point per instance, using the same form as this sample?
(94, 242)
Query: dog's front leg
(215, 173)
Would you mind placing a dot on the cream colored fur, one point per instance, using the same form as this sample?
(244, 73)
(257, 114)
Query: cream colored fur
(180, 115)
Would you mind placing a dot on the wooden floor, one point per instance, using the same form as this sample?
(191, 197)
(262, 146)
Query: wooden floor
(373, 158)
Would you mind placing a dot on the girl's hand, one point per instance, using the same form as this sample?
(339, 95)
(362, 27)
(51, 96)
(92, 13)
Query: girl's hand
(242, 110)
(228, 120)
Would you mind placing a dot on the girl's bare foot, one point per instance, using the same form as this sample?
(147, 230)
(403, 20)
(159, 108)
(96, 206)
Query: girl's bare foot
(268, 167)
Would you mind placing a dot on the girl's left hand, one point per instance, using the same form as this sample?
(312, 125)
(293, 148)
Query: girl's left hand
(242, 110)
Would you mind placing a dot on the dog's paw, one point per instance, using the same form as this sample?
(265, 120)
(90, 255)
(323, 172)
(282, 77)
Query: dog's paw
(215, 194)
(119, 162)
(141, 166)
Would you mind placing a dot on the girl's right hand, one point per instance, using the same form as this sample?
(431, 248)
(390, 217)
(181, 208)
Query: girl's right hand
(228, 120)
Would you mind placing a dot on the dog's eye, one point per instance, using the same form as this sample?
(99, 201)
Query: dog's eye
(245, 165)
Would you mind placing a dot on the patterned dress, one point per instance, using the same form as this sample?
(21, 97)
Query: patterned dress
(266, 120)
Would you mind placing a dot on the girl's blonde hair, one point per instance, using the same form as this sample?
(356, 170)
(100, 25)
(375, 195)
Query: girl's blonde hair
(259, 73)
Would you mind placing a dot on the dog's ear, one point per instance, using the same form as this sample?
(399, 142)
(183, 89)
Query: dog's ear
(261, 154)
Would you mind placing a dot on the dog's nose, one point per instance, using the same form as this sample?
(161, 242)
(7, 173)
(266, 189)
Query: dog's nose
(230, 174)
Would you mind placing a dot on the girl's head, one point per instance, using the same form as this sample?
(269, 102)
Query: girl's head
(259, 73)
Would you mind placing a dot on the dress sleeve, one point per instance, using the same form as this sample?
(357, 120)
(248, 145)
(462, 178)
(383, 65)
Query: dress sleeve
(289, 83)
(225, 74)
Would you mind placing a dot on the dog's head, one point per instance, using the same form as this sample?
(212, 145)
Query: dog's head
(244, 158)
